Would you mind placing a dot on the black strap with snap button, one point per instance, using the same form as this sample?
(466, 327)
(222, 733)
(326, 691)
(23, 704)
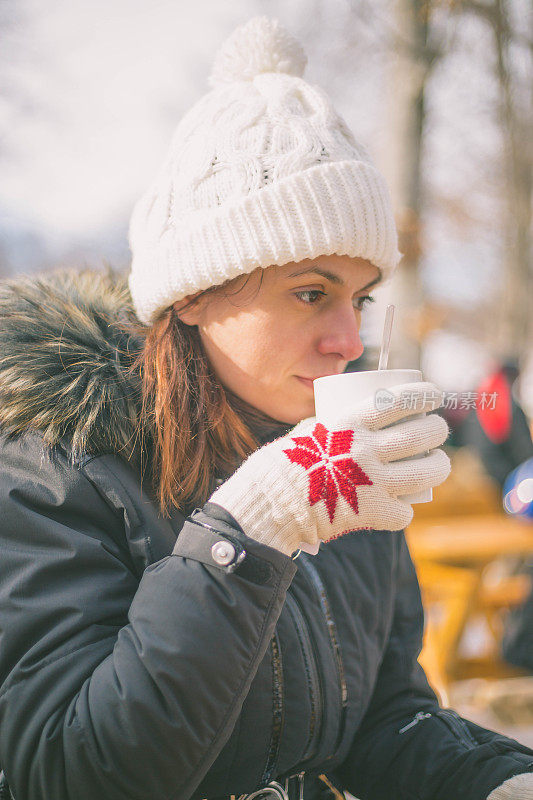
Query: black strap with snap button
(209, 547)
(224, 549)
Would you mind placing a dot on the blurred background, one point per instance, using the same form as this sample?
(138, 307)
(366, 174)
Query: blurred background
(441, 92)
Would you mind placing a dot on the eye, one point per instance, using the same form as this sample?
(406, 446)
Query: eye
(310, 296)
(361, 302)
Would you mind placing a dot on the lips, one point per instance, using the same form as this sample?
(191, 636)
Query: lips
(309, 381)
(306, 381)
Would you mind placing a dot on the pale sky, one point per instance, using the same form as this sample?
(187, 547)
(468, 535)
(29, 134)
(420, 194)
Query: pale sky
(112, 78)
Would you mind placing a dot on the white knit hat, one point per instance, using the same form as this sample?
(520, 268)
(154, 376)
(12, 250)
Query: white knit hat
(260, 171)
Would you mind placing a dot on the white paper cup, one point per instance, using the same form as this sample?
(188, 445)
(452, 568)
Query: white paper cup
(336, 395)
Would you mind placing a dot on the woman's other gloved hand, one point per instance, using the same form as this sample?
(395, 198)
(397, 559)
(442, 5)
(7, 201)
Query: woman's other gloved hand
(319, 482)
(520, 787)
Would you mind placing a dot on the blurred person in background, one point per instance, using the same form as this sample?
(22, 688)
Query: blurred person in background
(497, 428)
(517, 643)
(161, 468)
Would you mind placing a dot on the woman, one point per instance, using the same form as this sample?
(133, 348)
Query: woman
(158, 639)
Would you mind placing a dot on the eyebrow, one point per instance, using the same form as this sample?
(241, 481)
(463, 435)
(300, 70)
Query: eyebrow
(330, 276)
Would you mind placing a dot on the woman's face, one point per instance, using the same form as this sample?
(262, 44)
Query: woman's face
(269, 334)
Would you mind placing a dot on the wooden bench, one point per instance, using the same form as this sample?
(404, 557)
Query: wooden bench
(454, 556)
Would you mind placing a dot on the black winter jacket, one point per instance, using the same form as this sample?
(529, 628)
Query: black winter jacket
(132, 666)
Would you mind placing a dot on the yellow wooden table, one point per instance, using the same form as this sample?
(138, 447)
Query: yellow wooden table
(452, 556)
(471, 540)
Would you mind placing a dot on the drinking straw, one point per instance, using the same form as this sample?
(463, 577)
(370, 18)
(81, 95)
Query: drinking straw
(385, 341)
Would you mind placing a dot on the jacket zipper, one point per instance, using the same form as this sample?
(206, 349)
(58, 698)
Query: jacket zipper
(277, 708)
(454, 722)
(320, 589)
(416, 719)
(311, 668)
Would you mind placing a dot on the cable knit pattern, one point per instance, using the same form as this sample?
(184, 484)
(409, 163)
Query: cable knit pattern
(519, 787)
(261, 171)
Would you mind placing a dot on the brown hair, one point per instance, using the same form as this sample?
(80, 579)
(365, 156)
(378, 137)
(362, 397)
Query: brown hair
(198, 430)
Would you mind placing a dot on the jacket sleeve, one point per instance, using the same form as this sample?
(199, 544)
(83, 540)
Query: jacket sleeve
(407, 746)
(113, 684)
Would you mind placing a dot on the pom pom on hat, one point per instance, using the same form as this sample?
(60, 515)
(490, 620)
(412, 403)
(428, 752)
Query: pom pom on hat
(260, 45)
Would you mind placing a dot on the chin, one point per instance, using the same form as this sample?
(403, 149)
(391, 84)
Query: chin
(289, 408)
(298, 413)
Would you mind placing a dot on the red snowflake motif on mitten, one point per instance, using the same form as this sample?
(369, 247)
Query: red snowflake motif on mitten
(329, 475)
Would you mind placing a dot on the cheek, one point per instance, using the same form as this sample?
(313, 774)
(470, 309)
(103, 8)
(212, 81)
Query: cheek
(252, 345)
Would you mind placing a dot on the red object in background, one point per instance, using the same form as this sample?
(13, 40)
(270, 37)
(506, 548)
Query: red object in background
(495, 418)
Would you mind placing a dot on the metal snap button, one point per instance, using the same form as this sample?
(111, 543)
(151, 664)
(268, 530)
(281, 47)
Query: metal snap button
(223, 553)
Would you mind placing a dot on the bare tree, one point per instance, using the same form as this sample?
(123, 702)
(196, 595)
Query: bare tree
(413, 58)
(420, 35)
(413, 48)
(512, 44)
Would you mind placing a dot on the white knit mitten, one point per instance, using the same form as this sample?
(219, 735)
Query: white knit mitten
(519, 787)
(317, 482)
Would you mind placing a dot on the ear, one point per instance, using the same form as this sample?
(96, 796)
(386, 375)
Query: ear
(189, 309)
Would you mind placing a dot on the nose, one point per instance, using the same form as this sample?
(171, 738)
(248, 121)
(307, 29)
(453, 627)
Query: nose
(340, 334)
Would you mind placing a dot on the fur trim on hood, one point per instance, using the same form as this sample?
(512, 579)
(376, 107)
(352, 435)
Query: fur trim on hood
(67, 344)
